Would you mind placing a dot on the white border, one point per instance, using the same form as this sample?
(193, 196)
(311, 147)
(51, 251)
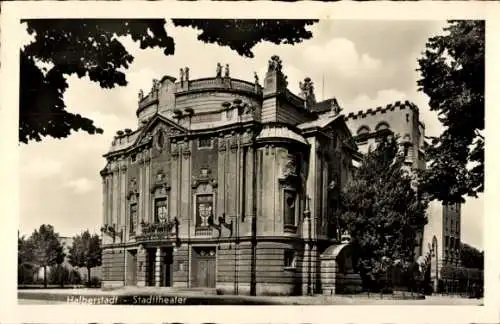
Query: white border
(13, 11)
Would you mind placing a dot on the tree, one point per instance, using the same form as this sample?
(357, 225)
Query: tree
(452, 70)
(24, 260)
(46, 248)
(381, 210)
(86, 252)
(92, 48)
(471, 257)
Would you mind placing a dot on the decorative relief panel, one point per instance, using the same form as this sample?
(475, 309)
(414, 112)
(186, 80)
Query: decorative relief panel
(221, 144)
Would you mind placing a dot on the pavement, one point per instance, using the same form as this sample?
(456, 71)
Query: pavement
(176, 296)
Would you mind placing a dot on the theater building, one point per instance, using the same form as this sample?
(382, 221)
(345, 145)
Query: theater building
(227, 184)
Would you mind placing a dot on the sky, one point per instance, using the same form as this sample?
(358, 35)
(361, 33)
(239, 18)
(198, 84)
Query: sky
(364, 64)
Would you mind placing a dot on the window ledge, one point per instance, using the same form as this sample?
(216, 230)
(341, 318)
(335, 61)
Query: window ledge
(290, 269)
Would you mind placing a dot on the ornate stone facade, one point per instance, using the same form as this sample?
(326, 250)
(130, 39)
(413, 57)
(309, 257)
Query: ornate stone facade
(224, 184)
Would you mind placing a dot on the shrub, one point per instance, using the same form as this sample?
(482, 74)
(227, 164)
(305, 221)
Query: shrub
(74, 277)
(95, 282)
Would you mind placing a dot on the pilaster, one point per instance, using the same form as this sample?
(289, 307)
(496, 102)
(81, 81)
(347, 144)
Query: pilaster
(109, 194)
(221, 174)
(249, 178)
(174, 182)
(104, 200)
(141, 266)
(116, 206)
(185, 186)
(123, 196)
(147, 192)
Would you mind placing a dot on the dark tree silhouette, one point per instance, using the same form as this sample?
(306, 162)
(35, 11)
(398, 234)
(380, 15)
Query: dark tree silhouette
(452, 70)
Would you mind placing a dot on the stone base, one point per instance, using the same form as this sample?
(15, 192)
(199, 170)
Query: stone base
(111, 284)
(180, 284)
(262, 289)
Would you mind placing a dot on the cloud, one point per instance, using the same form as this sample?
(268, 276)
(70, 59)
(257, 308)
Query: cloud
(40, 167)
(382, 98)
(80, 185)
(341, 55)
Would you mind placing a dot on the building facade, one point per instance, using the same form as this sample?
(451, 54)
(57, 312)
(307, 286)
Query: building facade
(226, 184)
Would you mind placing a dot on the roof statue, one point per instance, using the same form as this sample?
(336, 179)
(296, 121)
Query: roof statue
(335, 108)
(141, 94)
(226, 72)
(256, 78)
(219, 70)
(155, 87)
(186, 73)
(181, 73)
(307, 91)
(275, 64)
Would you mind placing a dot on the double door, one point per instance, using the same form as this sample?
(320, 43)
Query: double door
(204, 267)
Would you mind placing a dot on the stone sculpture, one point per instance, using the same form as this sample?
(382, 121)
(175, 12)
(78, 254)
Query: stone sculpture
(219, 70)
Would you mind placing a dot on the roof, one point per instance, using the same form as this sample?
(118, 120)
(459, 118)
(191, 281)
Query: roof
(321, 122)
(280, 131)
(325, 105)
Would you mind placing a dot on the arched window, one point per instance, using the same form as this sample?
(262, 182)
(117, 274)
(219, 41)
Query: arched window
(363, 130)
(382, 125)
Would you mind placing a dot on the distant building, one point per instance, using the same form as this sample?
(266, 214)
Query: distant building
(230, 185)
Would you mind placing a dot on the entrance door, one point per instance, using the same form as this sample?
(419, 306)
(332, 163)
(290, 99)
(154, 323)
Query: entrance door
(167, 267)
(203, 267)
(150, 274)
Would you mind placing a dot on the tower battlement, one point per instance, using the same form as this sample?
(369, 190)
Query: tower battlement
(382, 110)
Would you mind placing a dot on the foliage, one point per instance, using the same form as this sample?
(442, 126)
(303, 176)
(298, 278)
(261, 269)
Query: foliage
(452, 70)
(46, 249)
(25, 268)
(92, 48)
(86, 252)
(62, 275)
(471, 257)
(381, 209)
(242, 35)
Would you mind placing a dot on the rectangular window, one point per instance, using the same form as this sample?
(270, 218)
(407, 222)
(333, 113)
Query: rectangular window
(289, 212)
(161, 210)
(290, 260)
(204, 209)
(133, 218)
(204, 143)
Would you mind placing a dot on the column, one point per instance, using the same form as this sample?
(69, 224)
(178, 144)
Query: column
(158, 267)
